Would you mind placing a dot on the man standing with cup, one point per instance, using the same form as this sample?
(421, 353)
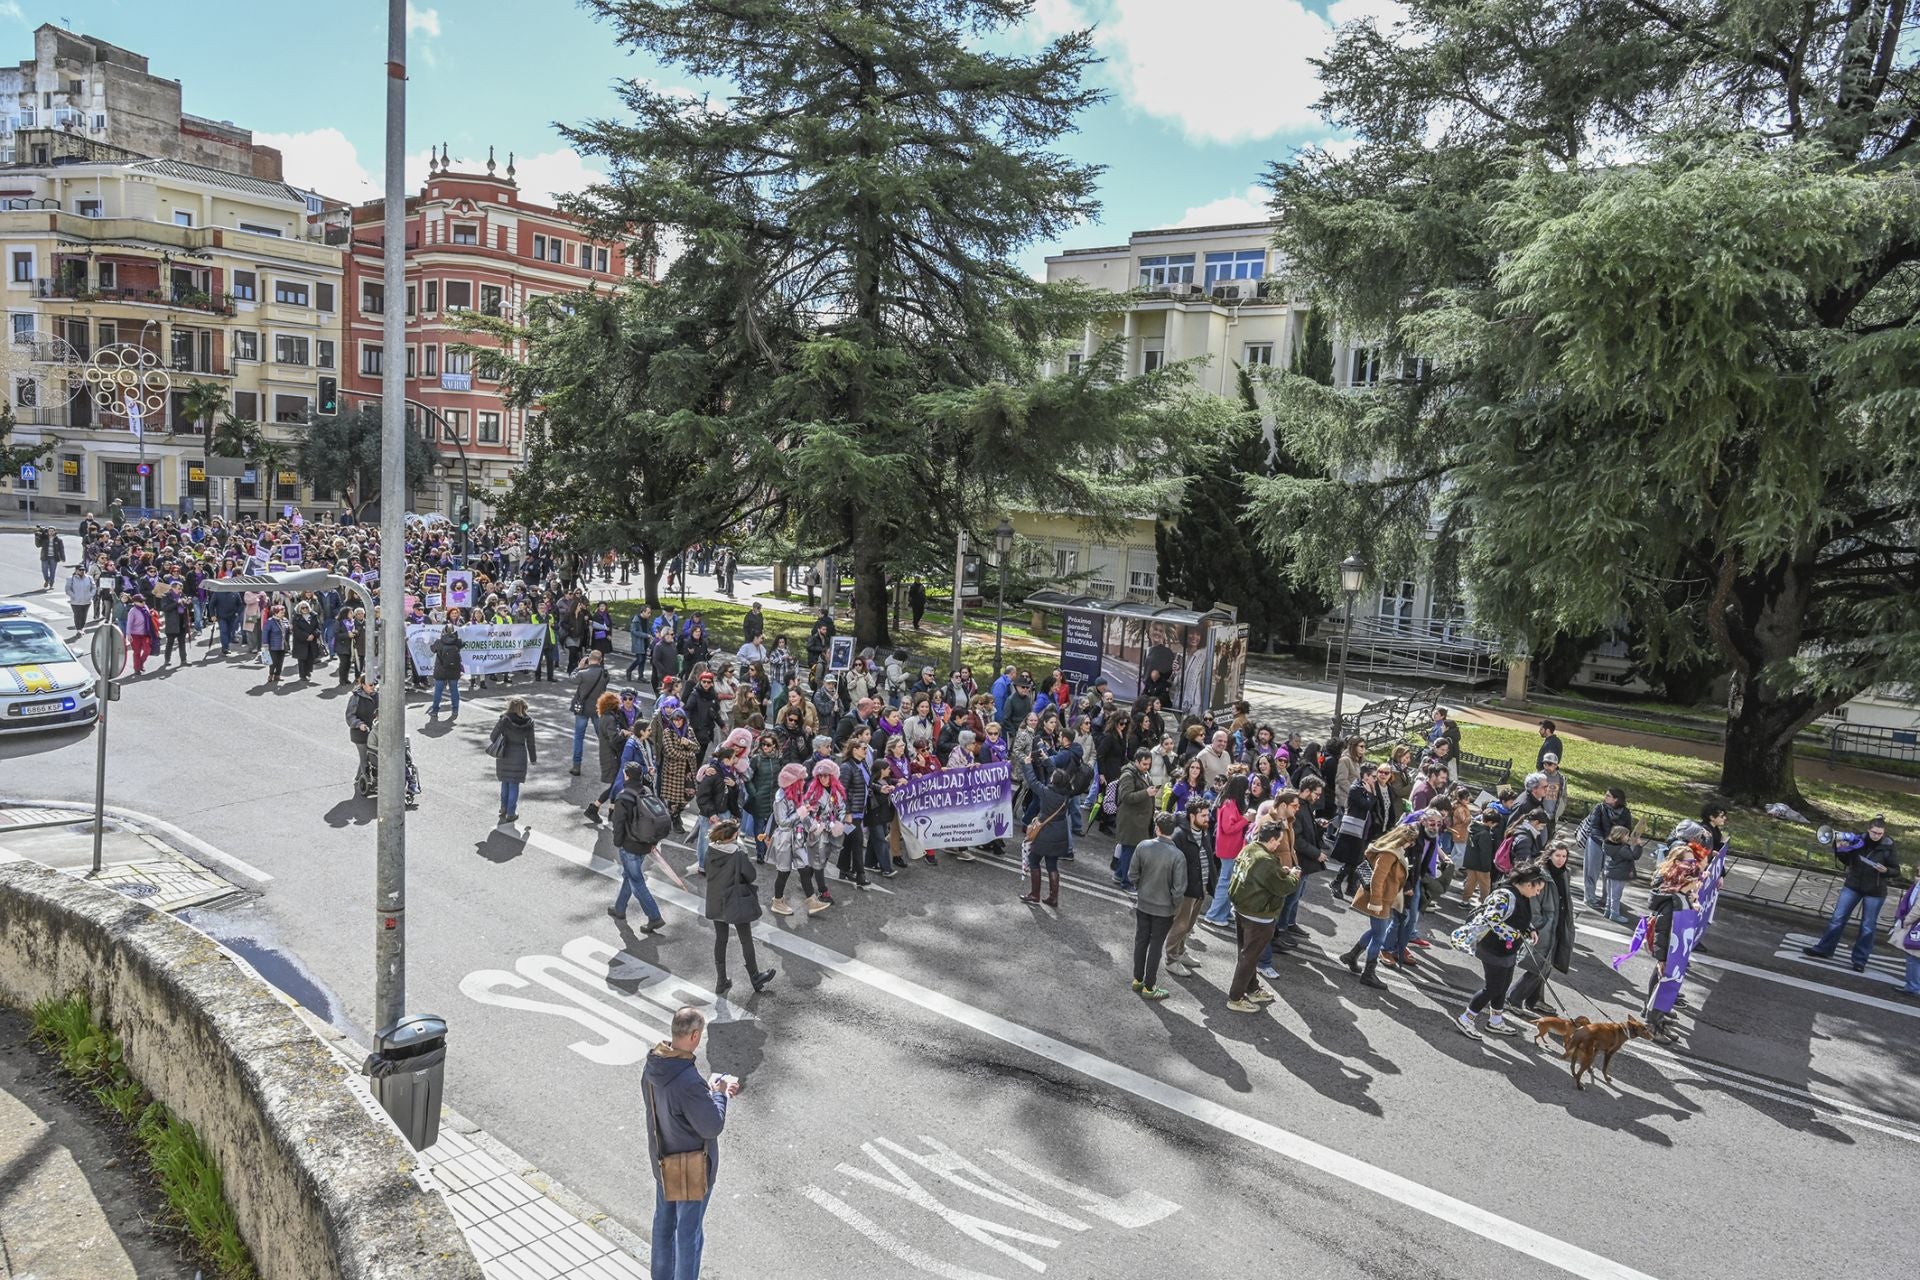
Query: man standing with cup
(685, 1113)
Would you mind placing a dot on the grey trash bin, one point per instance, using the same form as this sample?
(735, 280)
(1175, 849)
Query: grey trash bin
(408, 1073)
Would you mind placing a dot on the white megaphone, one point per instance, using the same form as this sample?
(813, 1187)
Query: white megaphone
(1824, 835)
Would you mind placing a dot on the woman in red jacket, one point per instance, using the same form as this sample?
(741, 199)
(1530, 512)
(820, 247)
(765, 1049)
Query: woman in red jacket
(1229, 834)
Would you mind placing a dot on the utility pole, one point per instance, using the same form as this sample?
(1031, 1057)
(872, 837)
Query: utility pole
(390, 877)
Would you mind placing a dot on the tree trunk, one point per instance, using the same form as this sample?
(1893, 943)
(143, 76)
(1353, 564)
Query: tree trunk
(869, 602)
(650, 576)
(1757, 767)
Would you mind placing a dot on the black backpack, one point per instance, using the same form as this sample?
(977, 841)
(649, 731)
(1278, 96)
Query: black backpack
(647, 820)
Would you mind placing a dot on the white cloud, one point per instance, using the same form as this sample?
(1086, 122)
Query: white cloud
(1249, 207)
(323, 160)
(551, 174)
(12, 9)
(424, 20)
(1225, 71)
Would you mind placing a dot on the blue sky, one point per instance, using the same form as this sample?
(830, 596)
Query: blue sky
(1203, 92)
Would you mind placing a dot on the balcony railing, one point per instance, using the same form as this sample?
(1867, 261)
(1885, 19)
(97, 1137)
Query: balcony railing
(185, 299)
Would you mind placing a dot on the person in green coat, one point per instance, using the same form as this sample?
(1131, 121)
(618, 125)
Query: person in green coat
(763, 779)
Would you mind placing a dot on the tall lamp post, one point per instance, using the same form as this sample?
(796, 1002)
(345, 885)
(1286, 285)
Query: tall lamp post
(1002, 546)
(1353, 576)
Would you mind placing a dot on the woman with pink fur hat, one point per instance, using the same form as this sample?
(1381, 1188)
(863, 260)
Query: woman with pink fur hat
(804, 814)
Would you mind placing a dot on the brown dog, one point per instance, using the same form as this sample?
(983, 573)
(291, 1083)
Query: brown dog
(1585, 1043)
(1562, 1027)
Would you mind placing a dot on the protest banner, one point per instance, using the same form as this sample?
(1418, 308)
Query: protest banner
(459, 592)
(1689, 927)
(954, 808)
(491, 649)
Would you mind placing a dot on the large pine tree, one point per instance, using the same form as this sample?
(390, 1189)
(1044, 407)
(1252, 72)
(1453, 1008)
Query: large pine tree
(862, 190)
(1663, 263)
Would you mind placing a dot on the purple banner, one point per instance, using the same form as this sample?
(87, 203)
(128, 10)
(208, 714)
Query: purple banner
(955, 808)
(1689, 926)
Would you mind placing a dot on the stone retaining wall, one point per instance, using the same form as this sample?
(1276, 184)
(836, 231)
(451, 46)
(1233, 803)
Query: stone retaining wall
(321, 1188)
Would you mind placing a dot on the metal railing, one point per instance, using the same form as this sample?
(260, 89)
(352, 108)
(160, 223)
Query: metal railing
(1873, 742)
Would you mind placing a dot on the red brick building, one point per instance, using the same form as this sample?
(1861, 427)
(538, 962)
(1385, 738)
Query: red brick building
(472, 243)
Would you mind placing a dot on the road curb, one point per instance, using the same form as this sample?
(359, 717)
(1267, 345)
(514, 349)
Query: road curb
(181, 841)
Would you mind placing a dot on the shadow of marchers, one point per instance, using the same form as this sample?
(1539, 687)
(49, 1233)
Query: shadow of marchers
(502, 844)
(356, 811)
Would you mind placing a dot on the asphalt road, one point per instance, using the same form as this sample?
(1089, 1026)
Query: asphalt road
(944, 1081)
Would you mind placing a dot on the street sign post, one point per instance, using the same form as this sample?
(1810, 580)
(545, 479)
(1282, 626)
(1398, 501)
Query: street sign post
(109, 660)
(28, 474)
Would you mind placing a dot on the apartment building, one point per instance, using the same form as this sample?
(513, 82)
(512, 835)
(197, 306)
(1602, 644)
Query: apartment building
(473, 243)
(80, 97)
(129, 285)
(1204, 294)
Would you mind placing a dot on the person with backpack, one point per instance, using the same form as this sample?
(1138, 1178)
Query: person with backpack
(640, 823)
(1161, 873)
(1483, 838)
(732, 904)
(446, 649)
(1621, 852)
(1259, 888)
(1495, 936)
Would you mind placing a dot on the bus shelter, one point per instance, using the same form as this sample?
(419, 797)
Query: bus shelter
(1192, 660)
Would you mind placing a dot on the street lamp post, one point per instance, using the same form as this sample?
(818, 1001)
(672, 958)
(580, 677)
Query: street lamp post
(959, 585)
(1353, 575)
(1003, 547)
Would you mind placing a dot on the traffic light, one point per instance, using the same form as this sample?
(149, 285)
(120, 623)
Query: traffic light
(466, 519)
(329, 396)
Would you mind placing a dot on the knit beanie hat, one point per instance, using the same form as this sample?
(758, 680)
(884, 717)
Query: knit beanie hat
(826, 769)
(793, 773)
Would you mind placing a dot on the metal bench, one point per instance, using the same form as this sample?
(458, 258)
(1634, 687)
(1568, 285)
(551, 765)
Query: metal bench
(1484, 771)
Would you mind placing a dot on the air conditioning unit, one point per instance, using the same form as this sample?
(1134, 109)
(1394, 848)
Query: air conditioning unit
(1183, 289)
(1232, 290)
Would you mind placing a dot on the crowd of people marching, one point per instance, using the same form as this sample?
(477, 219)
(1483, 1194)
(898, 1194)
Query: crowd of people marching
(757, 752)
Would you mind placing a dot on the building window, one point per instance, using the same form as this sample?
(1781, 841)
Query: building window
(1165, 269)
(1066, 562)
(290, 292)
(108, 275)
(1396, 604)
(246, 286)
(246, 344)
(432, 296)
(26, 392)
(410, 298)
(258, 230)
(323, 297)
(181, 218)
(1237, 264)
(88, 208)
(1152, 358)
(465, 233)
(288, 349)
(246, 406)
(413, 355)
(99, 122)
(1258, 353)
(456, 425)
(373, 297)
(323, 350)
(459, 295)
(430, 361)
(489, 426)
(290, 408)
(1363, 367)
(459, 361)
(540, 248)
(23, 267)
(554, 250)
(490, 299)
(599, 259)
(1142, 583)
(1074, 360)
(370, 361)
(23, 326)
(71, 479)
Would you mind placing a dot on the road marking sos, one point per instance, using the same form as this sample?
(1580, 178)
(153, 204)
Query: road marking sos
(624, 1001)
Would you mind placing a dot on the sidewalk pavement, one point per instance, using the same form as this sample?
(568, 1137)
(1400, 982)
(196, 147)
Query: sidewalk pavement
(521, 1224)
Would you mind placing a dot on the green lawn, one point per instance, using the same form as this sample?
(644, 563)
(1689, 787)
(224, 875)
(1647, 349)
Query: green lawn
(1674, 786)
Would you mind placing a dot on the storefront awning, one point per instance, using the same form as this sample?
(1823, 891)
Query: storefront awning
(1062, 602)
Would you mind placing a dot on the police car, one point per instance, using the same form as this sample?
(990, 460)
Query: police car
(42, 685)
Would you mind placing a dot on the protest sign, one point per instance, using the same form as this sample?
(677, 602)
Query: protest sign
(954, 808)
(490, 648)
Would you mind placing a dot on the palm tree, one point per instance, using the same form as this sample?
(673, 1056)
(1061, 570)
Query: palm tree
(234, 437)
(200, 401)
(269, 457)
